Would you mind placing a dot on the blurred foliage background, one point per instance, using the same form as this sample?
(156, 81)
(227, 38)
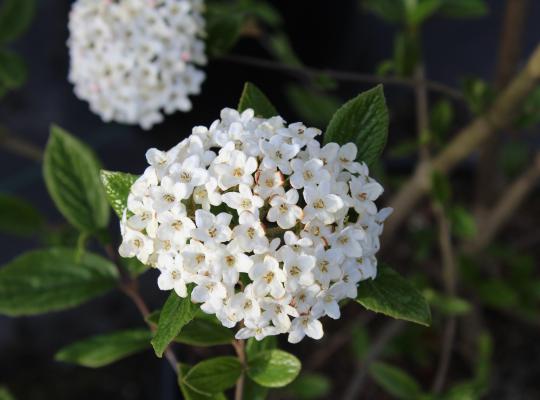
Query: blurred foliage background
(443, 63)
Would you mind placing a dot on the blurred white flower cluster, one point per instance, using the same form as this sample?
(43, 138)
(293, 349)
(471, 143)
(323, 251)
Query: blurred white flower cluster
(272, 229)
(131, 59)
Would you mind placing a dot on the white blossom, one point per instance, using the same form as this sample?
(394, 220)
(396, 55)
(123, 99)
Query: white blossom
(269, 229)
(132, 60)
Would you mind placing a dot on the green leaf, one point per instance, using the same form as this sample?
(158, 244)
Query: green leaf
(309, 386)
(391, 294)
(440, 188)
(254, 391)
(441, 117)
(101, 350)
(392, 11)
(406, 53)
(203, 333)
(254, 346)
(464, 8)
(253, 97)
(363, 121)
(281, 48)
(53, 279)
(312, 107)
(190, 394)
(223, 27)
(71, 173)
(176, 313)
(478, 94)
(19, 217)
(134, 266)
(13, 71)
(117, 186)
(422, 11)
(449, 305)
(214, 375)
(5, 394)
(15, 17)
(463, 222)
(273, 368)
(395, 381)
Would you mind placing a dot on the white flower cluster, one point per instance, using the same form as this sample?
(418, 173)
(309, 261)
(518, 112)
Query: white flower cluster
(272, 229)
(132, 58)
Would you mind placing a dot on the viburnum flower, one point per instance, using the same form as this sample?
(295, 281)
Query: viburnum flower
(257, 223)
(132, 60)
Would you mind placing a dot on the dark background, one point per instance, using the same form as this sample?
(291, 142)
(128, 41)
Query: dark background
(337, 35)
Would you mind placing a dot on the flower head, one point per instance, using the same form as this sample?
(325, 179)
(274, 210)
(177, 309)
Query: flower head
(272, 230)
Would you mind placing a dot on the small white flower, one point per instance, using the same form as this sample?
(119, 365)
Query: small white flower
(308, 173)
(305, 325)
(238, 170)
(259, 329)
(243, 200)
(278, 311)
(207, 195)
(168, 194)
(250, 235)
(189, 174)
(171, 276)
(364, 195)
(328, 265)
(277, 153)
(348, 241)
(284, 210)
(299, 270)
(228, 264)
(174, 225)
(299, 133)
(346, 157)
(321, 203)
(135, 244)
(327, 303)
(212, 228)
(210, 293)
(269, 183)
(268, 277)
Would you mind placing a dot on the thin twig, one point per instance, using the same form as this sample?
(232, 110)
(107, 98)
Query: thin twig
(499, 116)
(345, 76)
(488, 174)
(130, 288)
(239, 347)
(387, 333)
(19, 146)
(449, 279)
(505, 208)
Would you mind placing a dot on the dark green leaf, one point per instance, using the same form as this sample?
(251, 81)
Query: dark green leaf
(254, 347)
(449, 305)
(265, 12)
(223, 28)
(440, 188)
(214, 375)
(134, 266)
(5, 394)
(392, 11)
(395, 381)
(200, 332)
(391, 294)
(312, 107)
(253, 97)
(54, 279)
(254, 391)
(463, 8)
(478, 94)
(101, 350)
(309, 386)
(71, 173)
(19, 217)
(176, 313)
(282, 49)
(463, 222)
(530, 111)
(117, 186)
(363, 121)
(273, 368)
(190, 394)
(441, 117)
(406, 53)
(15, 17)
(421, 11)
(13, 70)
